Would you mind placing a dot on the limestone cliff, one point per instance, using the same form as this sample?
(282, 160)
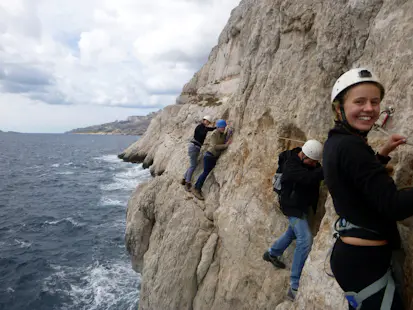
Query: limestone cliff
(271, 74)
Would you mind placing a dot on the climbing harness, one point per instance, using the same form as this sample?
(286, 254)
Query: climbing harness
(341, 225)
(386, 281)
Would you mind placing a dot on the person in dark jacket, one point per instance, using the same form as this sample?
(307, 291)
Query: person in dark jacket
(365, 197)
(194, 149)
(300, 182)
(218, 144)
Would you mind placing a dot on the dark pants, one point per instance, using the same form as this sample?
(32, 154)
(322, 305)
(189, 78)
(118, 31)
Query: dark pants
(209, 163)
(356, 267)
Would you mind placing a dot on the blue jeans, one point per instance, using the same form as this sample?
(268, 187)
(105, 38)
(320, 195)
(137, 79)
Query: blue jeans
(297, 229)
(209, 163)
(193, 152)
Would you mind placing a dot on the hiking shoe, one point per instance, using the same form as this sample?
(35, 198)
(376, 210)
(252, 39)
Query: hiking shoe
(183, 182)
(291, 293)
(197, 193)
(188, 187)
(273, 260)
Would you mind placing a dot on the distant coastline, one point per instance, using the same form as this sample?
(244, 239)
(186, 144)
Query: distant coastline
(102, 133)
(132, 126)
(9, 132)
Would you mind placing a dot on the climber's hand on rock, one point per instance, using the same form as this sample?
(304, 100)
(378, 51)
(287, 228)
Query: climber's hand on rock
(391, 144)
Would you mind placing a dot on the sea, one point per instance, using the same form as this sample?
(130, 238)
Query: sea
(63, 201)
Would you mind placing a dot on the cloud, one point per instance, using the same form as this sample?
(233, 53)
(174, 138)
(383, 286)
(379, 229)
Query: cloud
(16, 78)
(103, 53)
(109, 53)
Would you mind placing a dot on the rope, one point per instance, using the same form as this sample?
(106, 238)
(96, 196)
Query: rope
(376, 128)
(389, 111)
(290, 139)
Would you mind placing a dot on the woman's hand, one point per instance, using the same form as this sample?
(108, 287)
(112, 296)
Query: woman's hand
(391, 144)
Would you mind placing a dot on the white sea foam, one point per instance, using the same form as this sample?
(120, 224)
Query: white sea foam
(55, 165)
(22, 244)
(65, 173)
(119, 185)
(109, 159)
(127, 180)
(97, 286)
(106, 201)
(68, 219)
(36, 167)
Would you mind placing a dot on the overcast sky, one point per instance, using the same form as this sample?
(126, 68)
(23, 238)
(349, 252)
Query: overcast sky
(66, 64)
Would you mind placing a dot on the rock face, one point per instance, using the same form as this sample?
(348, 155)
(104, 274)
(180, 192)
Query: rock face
(271, 74)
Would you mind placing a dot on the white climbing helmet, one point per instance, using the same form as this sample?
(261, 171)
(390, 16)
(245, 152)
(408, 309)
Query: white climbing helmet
(208, 118)
(353, 77)
(313, 150)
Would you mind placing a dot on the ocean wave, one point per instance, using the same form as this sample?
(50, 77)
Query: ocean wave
(68, 219)
(35, 167)
(22, 244)
(121, 223)
(65, 173)
(59, 219)
(120, 185)
(109, 159)
(106, 201)
(98, 286)
(127, 180)
(133, 173)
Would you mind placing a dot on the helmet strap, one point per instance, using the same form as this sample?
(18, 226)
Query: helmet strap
(345, 125)
(343, 115)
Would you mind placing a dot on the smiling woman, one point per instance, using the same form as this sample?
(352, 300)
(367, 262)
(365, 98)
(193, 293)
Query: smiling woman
(123, 54)
(365, 197)
(363, 106)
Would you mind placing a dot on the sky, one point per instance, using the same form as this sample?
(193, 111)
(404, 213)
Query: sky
(66, 64)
